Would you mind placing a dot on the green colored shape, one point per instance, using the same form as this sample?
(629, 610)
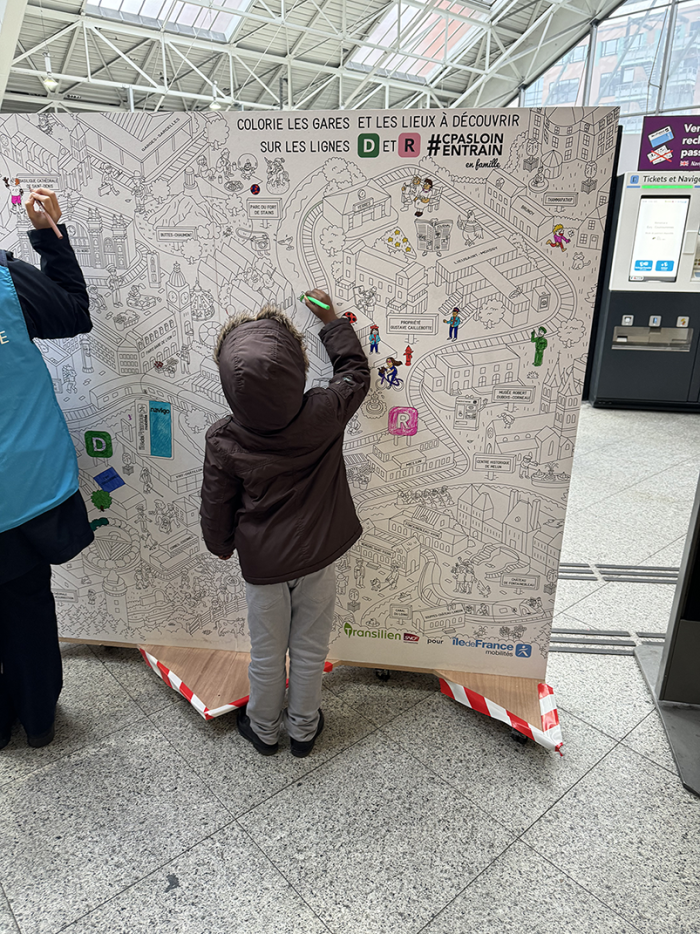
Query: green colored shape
(96, 523)
(98, 443)
(540, 342)
(368, 145)
(667, 186)
(101, 499)
(348, 629)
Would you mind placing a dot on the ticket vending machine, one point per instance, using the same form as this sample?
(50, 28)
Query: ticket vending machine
(648, 334)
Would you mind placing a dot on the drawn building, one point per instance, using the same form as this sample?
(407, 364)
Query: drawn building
(509, 199)
(494, 516)
(399, 286)
(392, 462)
(360, 209)
(382, 549)
(561, 394)
(434, 529)
(530, 434)
(455, 372)
(115, 591)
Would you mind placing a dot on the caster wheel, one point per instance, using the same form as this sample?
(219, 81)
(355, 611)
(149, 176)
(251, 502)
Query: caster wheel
(519, 737)
(382, 674)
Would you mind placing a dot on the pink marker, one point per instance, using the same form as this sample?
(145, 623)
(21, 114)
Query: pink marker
(39, 207)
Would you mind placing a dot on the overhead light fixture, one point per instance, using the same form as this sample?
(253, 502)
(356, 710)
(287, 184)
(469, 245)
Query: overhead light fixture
(215, 104)
(49, 82)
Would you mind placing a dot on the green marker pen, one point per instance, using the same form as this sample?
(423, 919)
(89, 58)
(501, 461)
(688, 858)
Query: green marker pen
(304, 298)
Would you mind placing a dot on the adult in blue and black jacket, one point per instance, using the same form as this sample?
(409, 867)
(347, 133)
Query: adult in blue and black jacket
(43, 520)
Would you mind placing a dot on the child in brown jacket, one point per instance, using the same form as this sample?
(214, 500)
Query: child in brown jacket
(275, 490)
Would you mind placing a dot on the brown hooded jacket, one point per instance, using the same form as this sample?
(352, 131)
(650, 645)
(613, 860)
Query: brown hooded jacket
(275, 488)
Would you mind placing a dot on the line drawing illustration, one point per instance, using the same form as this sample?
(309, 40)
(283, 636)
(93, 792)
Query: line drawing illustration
(474, 323)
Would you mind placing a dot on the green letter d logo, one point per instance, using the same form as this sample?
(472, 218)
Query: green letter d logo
(348, 629)
(368, 145)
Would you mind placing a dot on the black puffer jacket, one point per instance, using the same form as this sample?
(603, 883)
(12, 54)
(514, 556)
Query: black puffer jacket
(274, 486)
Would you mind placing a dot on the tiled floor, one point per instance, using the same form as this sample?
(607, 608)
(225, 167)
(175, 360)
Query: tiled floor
(414, 814)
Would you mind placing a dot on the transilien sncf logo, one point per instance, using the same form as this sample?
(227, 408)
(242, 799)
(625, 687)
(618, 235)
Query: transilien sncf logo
(370, 633)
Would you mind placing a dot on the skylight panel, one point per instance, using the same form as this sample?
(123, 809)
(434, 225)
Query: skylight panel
(422, 32)
(174, 15)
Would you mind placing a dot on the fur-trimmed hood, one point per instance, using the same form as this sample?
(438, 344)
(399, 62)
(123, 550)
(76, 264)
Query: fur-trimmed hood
(263, 363)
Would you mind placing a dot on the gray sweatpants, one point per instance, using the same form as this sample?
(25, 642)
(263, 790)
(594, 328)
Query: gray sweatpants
(296, 616)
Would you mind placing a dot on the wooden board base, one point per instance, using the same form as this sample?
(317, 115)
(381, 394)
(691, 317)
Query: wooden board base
(218, 677)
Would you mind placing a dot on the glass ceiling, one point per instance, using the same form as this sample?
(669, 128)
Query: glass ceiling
(430, 34)
(176, 15)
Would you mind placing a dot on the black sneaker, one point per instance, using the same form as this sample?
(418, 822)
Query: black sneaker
(247, 732)
(42, 739)
(302, 749)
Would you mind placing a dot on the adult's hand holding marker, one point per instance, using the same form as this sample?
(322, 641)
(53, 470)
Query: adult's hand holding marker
(44, 210)
(320, 303)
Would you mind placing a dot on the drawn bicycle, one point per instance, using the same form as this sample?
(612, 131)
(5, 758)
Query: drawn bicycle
(391, 380)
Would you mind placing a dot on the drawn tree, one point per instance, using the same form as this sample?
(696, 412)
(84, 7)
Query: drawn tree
(101, 499)
(516, 151)
(339, 173)
(490, 313)
(192, 251)
(332, 239)
(571, 332)
(160, 189)
(217, 131)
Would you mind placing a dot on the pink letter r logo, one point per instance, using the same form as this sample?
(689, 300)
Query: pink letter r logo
(409, 145)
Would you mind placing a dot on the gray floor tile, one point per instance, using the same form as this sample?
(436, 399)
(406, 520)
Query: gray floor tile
(8, 925)
(649, 739)
(668, 557)
(522, 893)
(628, 833)
(223, 884)
(374, 842)
(82, 828)
(568, 593)
(380, 701)
(240, 776)
(634, 607)
(568, 621)
(91, 706)
(475, 754)
(606, 691)
(596, 538)
(137, 678)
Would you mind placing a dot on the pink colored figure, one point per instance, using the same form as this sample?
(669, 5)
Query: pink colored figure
(559, 238)
(15, 193)
(403, 420)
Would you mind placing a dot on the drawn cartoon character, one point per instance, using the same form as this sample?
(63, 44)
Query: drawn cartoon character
(470, 227)
(454, 322)
(224, 169)
(507, 419)
(109, 178)
(525, 464)
(114, 283)
(141, 518)
(145, 478)
(16, 193)
(559, 238)
(359, 572)
(69, 378)
(277, 176)
(423, 198)
(540, 342)
(374, 339)
(247, 165)
(579, 261)
(388, 373)
(408, 195)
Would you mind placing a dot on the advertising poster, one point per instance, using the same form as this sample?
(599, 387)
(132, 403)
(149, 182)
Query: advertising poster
(670, 143)
(464, 247)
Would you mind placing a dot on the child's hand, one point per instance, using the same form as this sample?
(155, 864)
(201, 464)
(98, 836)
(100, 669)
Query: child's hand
(47, 199)
(324, 314)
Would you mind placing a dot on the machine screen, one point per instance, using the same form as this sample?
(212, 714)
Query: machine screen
(658, 238)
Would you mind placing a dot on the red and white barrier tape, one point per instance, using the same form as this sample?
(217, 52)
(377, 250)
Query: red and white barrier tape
(549, 736)
(177, 684)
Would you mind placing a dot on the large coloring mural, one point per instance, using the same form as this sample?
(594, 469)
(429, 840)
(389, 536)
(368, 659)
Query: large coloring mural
(464, 247)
